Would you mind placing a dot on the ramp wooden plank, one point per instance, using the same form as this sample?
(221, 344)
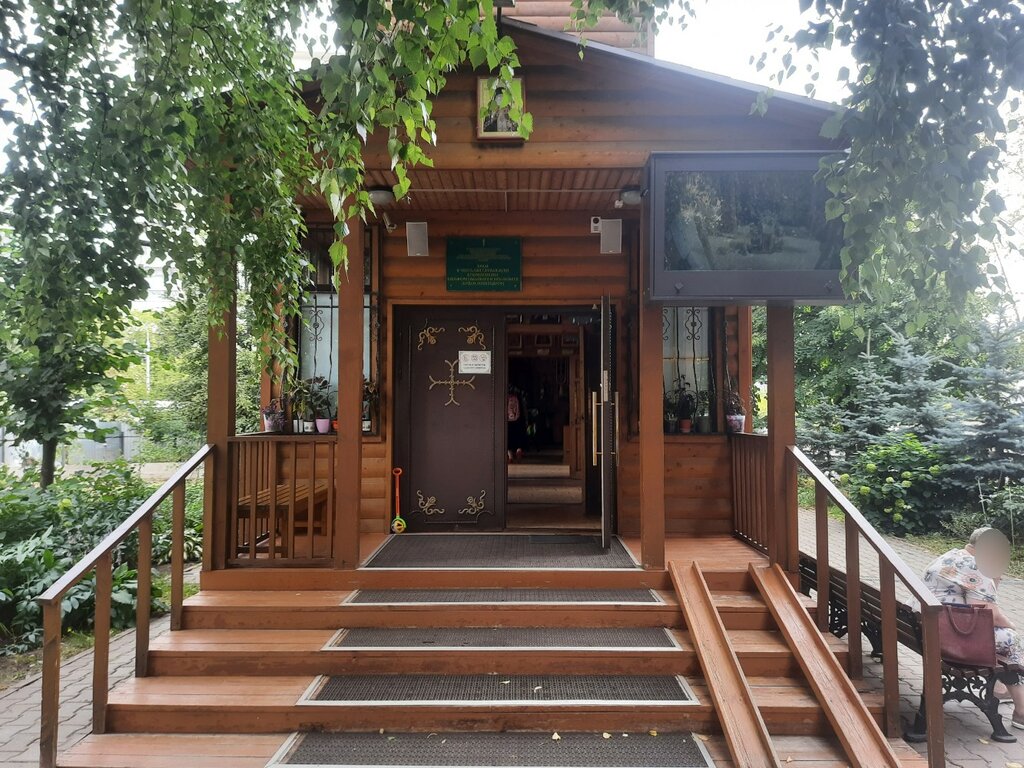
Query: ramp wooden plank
(745, 732)
(857, 731)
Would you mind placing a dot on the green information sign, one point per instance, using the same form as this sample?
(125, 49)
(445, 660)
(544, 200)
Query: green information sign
(484, 264)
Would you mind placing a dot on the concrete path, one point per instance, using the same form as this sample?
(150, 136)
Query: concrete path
(967, 731)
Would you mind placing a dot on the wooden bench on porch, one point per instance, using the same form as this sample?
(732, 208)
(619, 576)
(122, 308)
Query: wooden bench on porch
(291, 501)
(959, 682)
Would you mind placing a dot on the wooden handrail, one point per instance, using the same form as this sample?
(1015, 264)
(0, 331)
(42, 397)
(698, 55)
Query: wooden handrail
(912, 581)
(890, 567)
(281, 437)
(100, 560)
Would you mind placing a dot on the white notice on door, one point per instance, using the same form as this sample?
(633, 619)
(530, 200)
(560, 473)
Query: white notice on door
(474, 361)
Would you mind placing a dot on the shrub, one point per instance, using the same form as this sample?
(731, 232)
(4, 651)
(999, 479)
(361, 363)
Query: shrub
(897, 484)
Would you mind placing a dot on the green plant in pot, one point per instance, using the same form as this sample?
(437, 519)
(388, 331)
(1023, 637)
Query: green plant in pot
(273, 416)
(702, 421)
(299, 397)
(687, 407)
(671, 412)
(735, 413)
(320, 405)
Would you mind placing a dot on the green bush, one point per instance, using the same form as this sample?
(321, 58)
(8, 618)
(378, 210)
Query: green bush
(45, 532)
(898, 484)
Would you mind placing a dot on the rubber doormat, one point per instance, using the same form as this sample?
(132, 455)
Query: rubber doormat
(531, 750)
(498, 550)
(368, 690)
(504, 637)
(394, 596)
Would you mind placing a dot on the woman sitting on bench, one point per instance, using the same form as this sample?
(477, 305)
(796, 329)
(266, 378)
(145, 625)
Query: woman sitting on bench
(959, 577)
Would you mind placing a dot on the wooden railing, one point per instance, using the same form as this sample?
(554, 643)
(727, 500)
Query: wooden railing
(750, 489)
(100, 560)
(280, 502)
(890, 567)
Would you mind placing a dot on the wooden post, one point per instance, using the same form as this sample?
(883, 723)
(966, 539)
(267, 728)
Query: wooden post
(144, 596)
(177, 554)
(220, 425)
(652, 439)
(348, 457)
(783, 537)
(101, 642)
(745, 360)
(50, 705)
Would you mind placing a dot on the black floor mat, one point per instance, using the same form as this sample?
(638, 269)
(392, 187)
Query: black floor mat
(482, 550)
(394, 596)
(550, 689)
(505, 637)
(571, 750)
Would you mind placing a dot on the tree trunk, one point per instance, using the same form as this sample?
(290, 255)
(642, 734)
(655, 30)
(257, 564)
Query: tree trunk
(48, 463)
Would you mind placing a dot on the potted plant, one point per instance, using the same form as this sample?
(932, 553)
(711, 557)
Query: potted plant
(735, 414)
(320, 404)
(299, 399)
(687, 405)
(703, 417)
(671, 414)
(273, 416)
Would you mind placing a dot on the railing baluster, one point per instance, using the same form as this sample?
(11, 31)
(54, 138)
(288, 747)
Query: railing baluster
(890, 657)
(254, 492)
(329, 509)
(291, 504)
(50, 706)
(272, 512)
(824, 569)
(932, 679)
(311, 501)
(853, 607)
(235, 453)
(177, 554)
(143, 596)
(101, 646)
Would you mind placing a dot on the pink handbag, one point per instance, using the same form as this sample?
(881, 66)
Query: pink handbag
(967, 635)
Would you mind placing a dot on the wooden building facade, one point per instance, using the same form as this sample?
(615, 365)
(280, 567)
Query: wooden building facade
(583, 297)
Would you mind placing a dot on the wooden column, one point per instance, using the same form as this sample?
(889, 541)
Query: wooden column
(220, 425)
(783, 536)
(652, 439)
(745, 362)
(348, 456)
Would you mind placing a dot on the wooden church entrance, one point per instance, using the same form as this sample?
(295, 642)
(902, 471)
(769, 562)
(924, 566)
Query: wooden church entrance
(495, 413)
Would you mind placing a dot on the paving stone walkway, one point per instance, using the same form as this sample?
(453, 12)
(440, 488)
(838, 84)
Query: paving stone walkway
(967, 731)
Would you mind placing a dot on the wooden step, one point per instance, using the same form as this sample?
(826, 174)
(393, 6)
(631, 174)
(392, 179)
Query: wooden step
(545, 491)
(521, 470)
(269, 704)
(302, 652)
(856, 728)
(738, 716)
(227, 750)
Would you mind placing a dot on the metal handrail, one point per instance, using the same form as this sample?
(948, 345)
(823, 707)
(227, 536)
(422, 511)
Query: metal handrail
(100, 560)
(890, 566)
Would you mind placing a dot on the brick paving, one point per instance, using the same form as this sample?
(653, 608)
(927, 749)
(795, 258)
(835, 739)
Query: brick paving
(967, 731)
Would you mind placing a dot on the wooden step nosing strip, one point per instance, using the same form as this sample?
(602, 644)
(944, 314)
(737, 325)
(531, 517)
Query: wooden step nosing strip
(817, 660)
(744, 727)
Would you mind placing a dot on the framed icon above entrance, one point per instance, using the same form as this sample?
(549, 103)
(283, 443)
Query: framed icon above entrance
(450, 418)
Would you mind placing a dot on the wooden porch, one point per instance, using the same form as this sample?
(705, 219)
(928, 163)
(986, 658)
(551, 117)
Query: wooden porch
(227, 688)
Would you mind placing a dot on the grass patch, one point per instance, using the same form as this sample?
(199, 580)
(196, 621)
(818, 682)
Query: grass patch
(941, 542)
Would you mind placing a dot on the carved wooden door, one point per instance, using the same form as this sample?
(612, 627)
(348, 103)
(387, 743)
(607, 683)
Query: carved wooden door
(450, 417)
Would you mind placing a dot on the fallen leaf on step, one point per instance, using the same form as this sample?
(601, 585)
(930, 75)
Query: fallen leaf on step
(625, 735)
(1014, 765)
(606, 735)
(391, 738)
(701, 736)
(789, 759)
(505, 682)
(431, 734)
(555, 737)
(652, 732)
(381, 731)
(983, 741)
(538, 688)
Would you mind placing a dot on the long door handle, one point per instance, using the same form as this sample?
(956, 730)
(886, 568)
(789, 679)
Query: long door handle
(594, 427)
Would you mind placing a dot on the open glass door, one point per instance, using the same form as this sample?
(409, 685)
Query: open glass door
(604, 406)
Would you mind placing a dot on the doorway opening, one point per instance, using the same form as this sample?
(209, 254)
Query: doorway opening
(547, 423)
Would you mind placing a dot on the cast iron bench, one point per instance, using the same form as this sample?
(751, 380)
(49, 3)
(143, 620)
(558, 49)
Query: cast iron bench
(959, 682)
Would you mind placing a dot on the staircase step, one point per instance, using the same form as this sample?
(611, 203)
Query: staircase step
(520, 470)
(545, 492)
(270, 704)
(492, 596)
